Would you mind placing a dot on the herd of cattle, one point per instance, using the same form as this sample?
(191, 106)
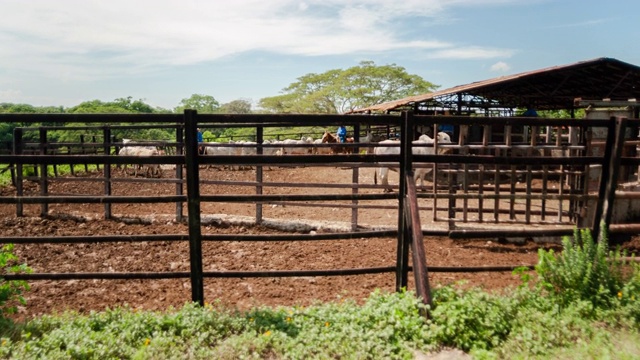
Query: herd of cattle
(328, 144)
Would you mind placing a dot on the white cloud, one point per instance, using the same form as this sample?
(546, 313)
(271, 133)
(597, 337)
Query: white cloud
(500, 66)
(10, 95)
(93, 39)
(586, 23)
(471, 52)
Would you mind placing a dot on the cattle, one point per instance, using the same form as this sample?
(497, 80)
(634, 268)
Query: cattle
(420, 148)
(329, 138)
(304, 146)
(231, 148)
(239, 148)
(214, 148)
(318, 149)
(129, 149)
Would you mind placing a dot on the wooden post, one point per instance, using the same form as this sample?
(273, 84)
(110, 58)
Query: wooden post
(354, 180)
(106, 131)
(402, 262)
(420, 272)
(259, 175)
(179, 172)
(83, 152)
(44, 173)
(609, 177)
(193, 202)
(17, 150)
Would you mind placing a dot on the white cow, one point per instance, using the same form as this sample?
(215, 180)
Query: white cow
(128, 149)
(419, 148)
(223, 149)
(287, 149)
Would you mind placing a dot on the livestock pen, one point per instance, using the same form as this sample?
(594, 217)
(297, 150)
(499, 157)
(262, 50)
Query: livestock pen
(461, 198)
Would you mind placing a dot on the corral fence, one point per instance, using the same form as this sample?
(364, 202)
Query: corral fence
(545, 179)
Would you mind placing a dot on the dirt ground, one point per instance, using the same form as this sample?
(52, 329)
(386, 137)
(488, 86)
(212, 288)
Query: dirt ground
(47, 296)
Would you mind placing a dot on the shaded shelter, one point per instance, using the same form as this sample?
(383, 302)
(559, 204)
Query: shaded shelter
(552, 88)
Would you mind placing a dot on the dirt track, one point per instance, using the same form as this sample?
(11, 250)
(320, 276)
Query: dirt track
(86, 295)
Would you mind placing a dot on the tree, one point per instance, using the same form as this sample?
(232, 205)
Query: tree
(204, 104)
(11, 108)
(137, 106)
(338, 91)
(239, 106)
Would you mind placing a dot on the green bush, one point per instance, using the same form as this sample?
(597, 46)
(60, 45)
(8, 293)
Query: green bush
(584, 271)
(11, 291)
(470, 319)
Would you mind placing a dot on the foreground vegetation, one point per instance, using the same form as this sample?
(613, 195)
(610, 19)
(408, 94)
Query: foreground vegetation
(582, 304)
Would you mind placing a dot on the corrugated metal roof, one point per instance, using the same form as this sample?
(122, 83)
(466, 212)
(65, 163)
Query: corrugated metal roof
(554, 87)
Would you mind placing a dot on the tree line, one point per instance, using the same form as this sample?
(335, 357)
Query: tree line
(332, 92)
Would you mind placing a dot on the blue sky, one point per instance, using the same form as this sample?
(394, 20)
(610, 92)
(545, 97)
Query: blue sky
(64, 52)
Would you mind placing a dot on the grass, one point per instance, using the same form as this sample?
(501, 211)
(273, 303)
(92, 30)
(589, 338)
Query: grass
(5, 174)
(385, 326)
(580, 304)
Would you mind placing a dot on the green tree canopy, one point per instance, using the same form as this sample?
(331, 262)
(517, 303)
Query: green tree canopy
(204, 104)
(339, 91)
(118, 106)
(239, 106)
(136, 106)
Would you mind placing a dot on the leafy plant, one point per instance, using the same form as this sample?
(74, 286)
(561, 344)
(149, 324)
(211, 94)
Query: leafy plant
(584, 271)
(11, 291)
(470, 319)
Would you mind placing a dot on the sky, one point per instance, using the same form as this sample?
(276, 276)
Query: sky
(65, 52)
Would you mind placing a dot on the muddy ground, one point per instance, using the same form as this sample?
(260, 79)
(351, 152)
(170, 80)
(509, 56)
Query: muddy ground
(47, 296)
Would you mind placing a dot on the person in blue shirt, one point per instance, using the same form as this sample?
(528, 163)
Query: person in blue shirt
(200, 140)
(531, 112)
(342, 133)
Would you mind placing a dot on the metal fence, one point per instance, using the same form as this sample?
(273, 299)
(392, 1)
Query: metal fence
(480, 186)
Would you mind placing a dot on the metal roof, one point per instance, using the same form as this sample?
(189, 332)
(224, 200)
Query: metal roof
(550, 88)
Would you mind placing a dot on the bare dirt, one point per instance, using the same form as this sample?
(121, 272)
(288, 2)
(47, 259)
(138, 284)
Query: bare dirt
(47, 296)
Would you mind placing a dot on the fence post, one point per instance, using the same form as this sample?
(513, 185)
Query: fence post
(44, 173)
(17, 150)
(414, 229)
(107, 169)
(609, 175)
(355, 176)
(179, 172)
(259, 177)
(84, 151)
(402, 262)
(193, 205)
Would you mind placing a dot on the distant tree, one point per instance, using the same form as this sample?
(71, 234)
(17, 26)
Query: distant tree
(135, 106)
(98, 107)
(204, 104)
(6, 129)
(11, 108)
(239, 106)
(50, 110)
(118, 106)
(338, 91)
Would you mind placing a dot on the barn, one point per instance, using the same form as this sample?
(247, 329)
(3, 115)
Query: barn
(600, 88)
(599, 83)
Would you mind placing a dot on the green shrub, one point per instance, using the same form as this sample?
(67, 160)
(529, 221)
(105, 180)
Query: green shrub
(584, 271)
(470, 319)
(11, 291)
